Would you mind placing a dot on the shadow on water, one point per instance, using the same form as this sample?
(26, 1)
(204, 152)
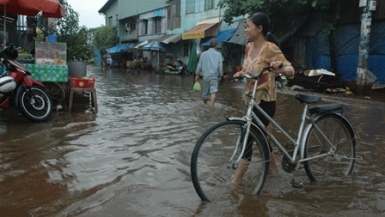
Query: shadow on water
(132, 158)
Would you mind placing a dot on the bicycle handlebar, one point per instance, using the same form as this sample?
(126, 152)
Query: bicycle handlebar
(255, 77)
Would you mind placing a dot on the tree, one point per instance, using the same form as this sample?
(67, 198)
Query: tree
(274, 8)
(68, 30)
(105, 37)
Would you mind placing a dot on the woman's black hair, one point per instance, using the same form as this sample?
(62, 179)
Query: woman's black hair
(261, 19)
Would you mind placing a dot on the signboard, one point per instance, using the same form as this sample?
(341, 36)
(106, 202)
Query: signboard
(193, 35)
(50, 53)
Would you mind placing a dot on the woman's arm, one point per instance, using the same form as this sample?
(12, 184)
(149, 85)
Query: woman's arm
(281, 68)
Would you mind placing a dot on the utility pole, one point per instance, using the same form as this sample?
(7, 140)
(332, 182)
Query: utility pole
(363, 52)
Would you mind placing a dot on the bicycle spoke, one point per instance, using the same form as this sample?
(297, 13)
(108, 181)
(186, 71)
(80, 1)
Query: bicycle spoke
(214, 158)
(333, 137)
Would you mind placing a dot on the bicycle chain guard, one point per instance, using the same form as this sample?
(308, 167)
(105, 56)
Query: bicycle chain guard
(287, 166)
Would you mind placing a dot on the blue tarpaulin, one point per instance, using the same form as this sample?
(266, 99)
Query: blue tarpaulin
(119, 47)
(346, 45)
(222, 36)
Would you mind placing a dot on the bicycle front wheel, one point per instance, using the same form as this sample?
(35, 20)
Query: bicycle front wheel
(338, 148)
(214, 161)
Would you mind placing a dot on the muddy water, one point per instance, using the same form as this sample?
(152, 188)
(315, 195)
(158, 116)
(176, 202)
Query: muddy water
(132, 158)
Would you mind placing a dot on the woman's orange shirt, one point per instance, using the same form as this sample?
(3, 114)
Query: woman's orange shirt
(266, 85)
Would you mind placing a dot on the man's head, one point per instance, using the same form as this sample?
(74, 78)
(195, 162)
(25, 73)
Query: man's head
(213, 43)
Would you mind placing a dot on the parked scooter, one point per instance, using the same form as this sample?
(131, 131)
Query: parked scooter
(18, 89)
(280, 81)
(176, 69)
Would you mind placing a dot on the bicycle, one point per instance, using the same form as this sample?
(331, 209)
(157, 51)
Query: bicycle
(325, 147)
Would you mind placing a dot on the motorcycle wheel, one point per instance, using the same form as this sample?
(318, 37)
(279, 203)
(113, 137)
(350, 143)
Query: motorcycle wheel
(35, 103)
(279, 84)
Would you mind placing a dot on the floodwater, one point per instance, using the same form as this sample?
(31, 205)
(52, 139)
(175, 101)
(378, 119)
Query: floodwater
(132, 157)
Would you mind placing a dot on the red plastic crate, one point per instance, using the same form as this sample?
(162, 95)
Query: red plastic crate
(78, 82)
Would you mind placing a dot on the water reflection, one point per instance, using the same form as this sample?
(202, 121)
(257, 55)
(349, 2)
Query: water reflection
(133, 156)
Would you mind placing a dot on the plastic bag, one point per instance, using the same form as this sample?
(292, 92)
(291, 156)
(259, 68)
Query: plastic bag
(197, 87)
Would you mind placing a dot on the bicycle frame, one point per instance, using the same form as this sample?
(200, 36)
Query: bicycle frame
(298, 144)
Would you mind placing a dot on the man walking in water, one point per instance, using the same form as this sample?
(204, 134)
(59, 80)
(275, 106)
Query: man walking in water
(211, 66)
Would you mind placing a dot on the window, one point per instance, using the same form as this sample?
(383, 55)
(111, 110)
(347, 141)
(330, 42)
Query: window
(157, 25)
(110, 23)
(144, 28)
(209, 4)
(190, 6)
(130, 27)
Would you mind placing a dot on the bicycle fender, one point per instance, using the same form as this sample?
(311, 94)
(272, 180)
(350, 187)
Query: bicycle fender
(316, 118)
(236, 119)
(344, 120)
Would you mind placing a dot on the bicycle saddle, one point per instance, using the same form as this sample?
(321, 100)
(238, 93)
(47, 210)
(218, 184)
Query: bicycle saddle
(307, 98)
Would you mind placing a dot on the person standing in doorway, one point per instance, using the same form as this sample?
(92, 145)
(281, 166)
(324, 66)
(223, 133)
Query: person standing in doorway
(211, 66)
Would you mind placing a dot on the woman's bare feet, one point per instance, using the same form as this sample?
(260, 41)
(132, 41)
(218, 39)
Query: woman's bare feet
(241, 170)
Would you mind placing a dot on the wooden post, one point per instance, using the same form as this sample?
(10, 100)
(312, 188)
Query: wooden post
(363, 53)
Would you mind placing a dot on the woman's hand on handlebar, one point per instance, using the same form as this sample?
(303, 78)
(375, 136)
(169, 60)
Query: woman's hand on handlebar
(277, 66)
(237, 75)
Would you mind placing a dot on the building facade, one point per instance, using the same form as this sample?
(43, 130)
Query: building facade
(181, 26)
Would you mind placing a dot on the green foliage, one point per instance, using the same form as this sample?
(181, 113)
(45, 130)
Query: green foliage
(68, 30)
(105, 37)
(235, 8)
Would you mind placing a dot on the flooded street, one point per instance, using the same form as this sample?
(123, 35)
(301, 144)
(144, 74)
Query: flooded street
(132, 158)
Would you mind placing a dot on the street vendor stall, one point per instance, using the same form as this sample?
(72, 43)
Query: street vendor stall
(51, 68)
(46, 8)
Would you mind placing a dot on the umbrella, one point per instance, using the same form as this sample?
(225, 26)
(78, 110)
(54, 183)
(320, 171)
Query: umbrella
(50, 8)
(193, 59)
(154, 46)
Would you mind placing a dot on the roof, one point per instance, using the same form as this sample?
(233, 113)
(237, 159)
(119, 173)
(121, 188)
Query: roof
(222, 36)
(106, 6)
(173, 39)
(164, 37)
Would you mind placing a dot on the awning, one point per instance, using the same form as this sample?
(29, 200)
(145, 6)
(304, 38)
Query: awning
(222, 36)
(239, 35)
(119, 48)
(173, 39)
(203, 29)
(282, 29)
(132, 46)
(158, 13)
(141, 44)
(163, 37)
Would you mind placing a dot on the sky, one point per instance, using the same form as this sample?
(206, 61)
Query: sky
(88, 12)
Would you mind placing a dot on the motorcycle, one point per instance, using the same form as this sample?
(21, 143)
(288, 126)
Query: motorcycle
(176, 69)
(18, 89)
(280, 81)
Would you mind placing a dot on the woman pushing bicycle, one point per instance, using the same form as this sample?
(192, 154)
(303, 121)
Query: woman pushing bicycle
(260, 52)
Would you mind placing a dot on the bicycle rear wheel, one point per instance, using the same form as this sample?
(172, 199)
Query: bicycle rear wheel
(213, 161)
(340, 160)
